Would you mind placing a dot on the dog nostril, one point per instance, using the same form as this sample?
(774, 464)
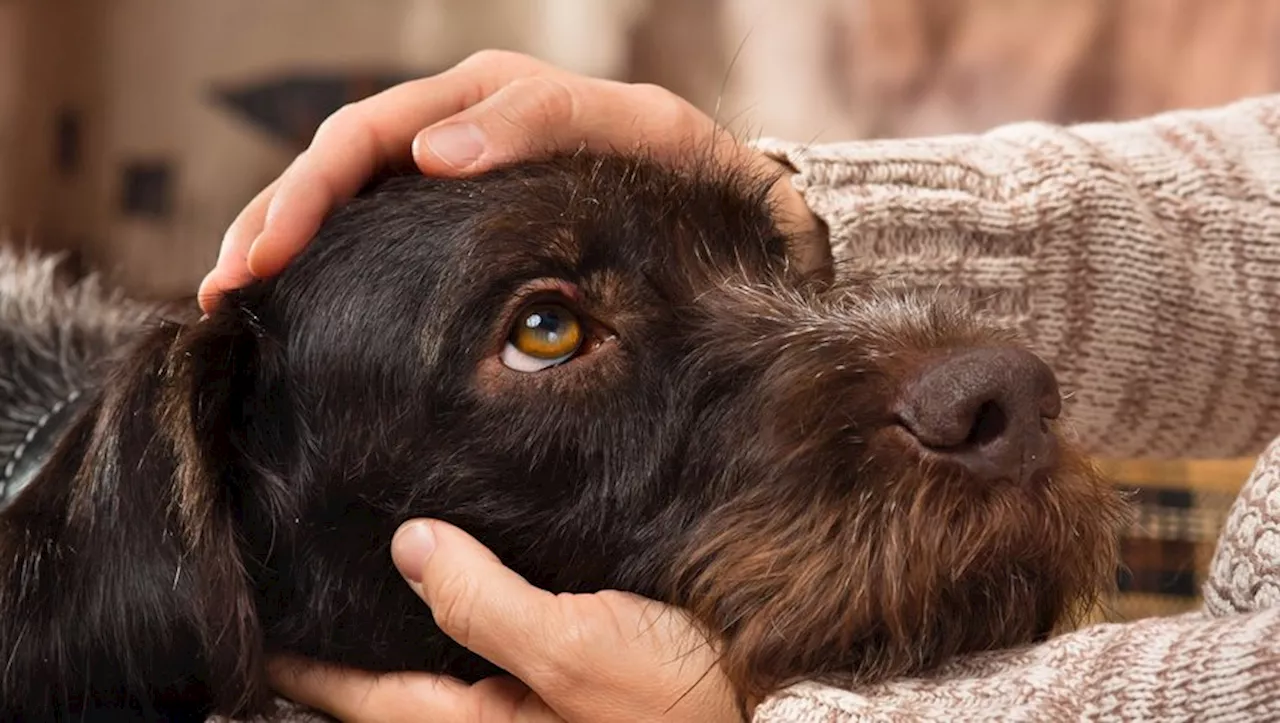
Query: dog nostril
(988, 426)
(986, 410)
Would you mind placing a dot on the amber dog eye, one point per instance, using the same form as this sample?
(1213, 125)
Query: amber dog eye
(543, 336)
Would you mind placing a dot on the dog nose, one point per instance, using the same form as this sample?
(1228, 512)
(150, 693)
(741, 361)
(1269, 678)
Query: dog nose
(987, 410)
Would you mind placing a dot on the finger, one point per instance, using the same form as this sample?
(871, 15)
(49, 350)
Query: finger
(229, 275)
(354, 695)
(476, 600)
(213, 286)
(533, 117)
(231, 270)
(506, 699)
(359, 140)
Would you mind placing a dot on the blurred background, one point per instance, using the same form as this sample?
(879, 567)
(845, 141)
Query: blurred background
(133, 131)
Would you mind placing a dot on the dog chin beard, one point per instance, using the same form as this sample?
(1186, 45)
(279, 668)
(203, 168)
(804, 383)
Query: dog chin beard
(812, 582)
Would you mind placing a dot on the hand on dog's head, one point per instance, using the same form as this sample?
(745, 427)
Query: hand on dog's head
(611, 375)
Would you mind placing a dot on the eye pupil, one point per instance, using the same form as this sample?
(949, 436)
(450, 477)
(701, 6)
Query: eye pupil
(547, 332)
(536, 320)
(544, 323)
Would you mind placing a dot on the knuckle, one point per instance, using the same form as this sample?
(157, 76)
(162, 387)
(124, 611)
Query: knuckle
(659, 103)
(656, 95)
(341, 122)
(552, 675)
(548, 99)
(454, 601)
(491, 58)
(573, 646)
(652, 91)
(494, 698)
(575, 638)
(487, 71)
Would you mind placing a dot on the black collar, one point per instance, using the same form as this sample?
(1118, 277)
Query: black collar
(27, 459)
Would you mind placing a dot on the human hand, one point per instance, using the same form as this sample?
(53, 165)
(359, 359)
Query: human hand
(492, 109)
(601, 657)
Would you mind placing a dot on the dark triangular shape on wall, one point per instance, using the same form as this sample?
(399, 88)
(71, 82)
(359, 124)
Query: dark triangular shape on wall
(290, 107)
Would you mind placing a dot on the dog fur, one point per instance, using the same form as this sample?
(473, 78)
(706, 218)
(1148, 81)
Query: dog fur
(228, 488)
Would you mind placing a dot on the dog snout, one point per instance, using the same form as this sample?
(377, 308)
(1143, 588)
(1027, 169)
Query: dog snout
(986, 410)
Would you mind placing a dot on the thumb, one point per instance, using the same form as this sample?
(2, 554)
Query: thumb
(501, 128)
(476, 600)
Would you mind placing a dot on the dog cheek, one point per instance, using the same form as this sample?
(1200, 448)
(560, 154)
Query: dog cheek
(759, 573)
(809, 575)
(803, 581)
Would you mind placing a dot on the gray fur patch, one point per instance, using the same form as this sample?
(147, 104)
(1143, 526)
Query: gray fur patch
(53, 335)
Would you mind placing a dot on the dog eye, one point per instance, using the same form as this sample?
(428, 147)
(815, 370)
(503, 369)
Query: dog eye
(543, 336)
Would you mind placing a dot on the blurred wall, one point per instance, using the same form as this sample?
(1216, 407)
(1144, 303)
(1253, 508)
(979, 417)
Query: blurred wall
(138, 76)
(159, 168)
(64, 201)
(838, 69)
(11, 47)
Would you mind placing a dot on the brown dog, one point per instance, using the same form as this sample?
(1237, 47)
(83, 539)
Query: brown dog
(610, 373)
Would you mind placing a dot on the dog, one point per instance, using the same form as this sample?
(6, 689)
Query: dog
(609, 371)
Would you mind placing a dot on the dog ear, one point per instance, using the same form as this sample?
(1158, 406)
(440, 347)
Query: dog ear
(211, 370)
(122, 583)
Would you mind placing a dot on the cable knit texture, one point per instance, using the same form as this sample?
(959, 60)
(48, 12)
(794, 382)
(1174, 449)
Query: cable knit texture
(1244, 575)
(1143, 260)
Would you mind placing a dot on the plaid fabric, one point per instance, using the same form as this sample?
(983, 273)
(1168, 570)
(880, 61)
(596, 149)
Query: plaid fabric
(1181, 510)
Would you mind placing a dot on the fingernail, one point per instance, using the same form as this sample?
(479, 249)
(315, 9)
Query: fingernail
(458, 145)
(412, 545)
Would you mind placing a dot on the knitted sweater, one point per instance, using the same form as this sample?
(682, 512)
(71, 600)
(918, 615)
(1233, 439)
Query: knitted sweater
(1142, 260)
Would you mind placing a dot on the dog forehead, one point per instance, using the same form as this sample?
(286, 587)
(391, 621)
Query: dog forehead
(583, 215)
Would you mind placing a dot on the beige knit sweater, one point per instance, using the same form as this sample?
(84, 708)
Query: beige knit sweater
(1143, 261)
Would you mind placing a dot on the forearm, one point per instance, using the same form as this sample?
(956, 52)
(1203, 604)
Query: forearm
(1192, 667)
(1141, 259)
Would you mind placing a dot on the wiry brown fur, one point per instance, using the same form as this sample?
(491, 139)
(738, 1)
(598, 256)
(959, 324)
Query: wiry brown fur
(856, 575)
(231, 487)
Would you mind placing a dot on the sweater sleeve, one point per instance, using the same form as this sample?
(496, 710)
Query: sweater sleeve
(1141, 259)
(1188, 667)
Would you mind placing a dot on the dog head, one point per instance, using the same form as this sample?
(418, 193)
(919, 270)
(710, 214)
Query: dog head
(615, 377)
